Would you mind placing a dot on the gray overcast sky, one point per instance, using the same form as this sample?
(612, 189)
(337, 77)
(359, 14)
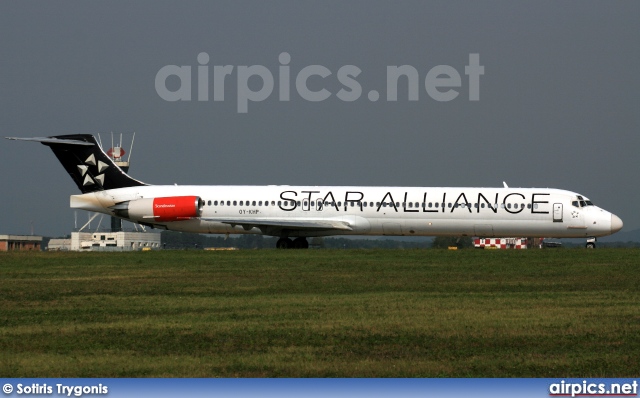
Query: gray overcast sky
(558, 100)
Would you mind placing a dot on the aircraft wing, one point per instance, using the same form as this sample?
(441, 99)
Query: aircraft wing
(283, 223)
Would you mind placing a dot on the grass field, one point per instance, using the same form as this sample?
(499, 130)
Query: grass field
(318, 313)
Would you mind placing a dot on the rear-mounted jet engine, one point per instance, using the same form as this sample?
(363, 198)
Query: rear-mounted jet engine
(172, 208)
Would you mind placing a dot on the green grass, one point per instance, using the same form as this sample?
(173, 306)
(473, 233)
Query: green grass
(318, 313)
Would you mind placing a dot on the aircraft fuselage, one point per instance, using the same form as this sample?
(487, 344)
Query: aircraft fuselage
(400, 211)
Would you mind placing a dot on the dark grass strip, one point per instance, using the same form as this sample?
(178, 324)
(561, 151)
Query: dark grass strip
(336, 313)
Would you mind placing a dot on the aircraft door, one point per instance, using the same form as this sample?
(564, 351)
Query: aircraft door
(312, 205)
(557, 212)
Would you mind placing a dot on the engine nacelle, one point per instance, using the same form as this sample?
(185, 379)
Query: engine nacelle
(172, 208)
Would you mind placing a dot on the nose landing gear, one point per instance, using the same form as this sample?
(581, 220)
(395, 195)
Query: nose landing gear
(591, 243)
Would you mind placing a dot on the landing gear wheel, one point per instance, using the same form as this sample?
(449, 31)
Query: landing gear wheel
(591, 245)
(284, 243)
(300, 243)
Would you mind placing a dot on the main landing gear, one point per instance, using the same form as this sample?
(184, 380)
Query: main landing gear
(297, 243)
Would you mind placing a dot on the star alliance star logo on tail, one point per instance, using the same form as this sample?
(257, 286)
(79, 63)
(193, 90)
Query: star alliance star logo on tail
(84, 168)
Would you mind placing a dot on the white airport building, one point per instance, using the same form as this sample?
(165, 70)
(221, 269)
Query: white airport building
(107, 241)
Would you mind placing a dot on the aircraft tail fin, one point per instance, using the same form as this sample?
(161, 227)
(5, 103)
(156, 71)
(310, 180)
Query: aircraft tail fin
(87, 164)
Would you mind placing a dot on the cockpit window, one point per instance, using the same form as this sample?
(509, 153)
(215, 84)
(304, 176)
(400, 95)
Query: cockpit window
(582, 202)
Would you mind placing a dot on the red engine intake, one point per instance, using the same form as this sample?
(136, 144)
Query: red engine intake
(172, 208)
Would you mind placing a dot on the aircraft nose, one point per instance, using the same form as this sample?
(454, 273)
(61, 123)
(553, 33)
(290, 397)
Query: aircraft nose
(616, 224)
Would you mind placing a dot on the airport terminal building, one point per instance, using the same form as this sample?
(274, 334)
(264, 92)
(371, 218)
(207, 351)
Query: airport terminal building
(107, 241)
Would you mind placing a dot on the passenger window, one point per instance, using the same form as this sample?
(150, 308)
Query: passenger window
(241, 203)
(234, 203)
(482, 205)
(528, 205)
(449, 205)
(215, 202)
(228, 203)
(260, 203)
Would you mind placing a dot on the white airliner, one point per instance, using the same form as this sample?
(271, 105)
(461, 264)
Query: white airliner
(306, 211)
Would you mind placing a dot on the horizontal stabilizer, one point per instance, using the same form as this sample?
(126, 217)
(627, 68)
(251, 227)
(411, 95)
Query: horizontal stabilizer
(50, 140)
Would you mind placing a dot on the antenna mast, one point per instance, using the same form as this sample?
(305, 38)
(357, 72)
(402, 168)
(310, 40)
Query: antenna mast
(116, 153)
